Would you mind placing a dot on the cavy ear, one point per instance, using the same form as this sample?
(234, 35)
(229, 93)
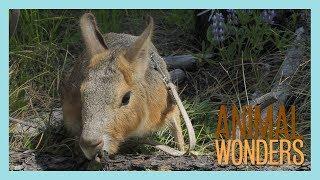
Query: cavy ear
(93, 39)
(137, 53)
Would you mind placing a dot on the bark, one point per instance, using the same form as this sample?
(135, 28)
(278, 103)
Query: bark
(281, 86)
(14, 19)
(181, 61)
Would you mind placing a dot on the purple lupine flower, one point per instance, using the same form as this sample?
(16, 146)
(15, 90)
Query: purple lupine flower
(218, 27)
(231, 17)
(268, 16)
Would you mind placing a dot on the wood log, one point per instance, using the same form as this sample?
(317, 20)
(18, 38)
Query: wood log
(13, 20)
(181, 61)
(281, 87)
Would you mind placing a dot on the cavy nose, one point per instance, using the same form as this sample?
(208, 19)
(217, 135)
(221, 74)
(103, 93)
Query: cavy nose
(90, 147)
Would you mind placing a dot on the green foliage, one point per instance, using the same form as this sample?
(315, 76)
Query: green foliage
(110, 20)
(182, 19)
(250, 39)
(38, 54)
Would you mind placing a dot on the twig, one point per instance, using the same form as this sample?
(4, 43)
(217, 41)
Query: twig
(244, 79)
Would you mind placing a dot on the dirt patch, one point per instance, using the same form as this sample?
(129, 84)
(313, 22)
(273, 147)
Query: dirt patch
(32, 161)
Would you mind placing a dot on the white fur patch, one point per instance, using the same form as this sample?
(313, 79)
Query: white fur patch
(106, 142)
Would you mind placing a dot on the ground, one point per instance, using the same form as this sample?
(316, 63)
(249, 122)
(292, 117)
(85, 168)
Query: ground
(29, 160)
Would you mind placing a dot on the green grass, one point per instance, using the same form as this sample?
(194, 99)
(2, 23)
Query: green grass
(47, 43)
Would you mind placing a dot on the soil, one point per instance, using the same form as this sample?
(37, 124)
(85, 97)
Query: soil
(33, 161)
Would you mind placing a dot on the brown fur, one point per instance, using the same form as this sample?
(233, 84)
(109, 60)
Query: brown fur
(110, 69)
(96, 59)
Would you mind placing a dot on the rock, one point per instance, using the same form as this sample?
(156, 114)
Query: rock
(18, 168)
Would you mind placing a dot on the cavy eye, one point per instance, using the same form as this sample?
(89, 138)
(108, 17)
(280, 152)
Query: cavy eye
(126, 98)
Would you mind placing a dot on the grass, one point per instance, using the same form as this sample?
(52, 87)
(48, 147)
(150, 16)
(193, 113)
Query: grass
(47, 43)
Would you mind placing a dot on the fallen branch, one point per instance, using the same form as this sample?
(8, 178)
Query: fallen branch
(281, 87)
(13, 20)
(181, 61)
